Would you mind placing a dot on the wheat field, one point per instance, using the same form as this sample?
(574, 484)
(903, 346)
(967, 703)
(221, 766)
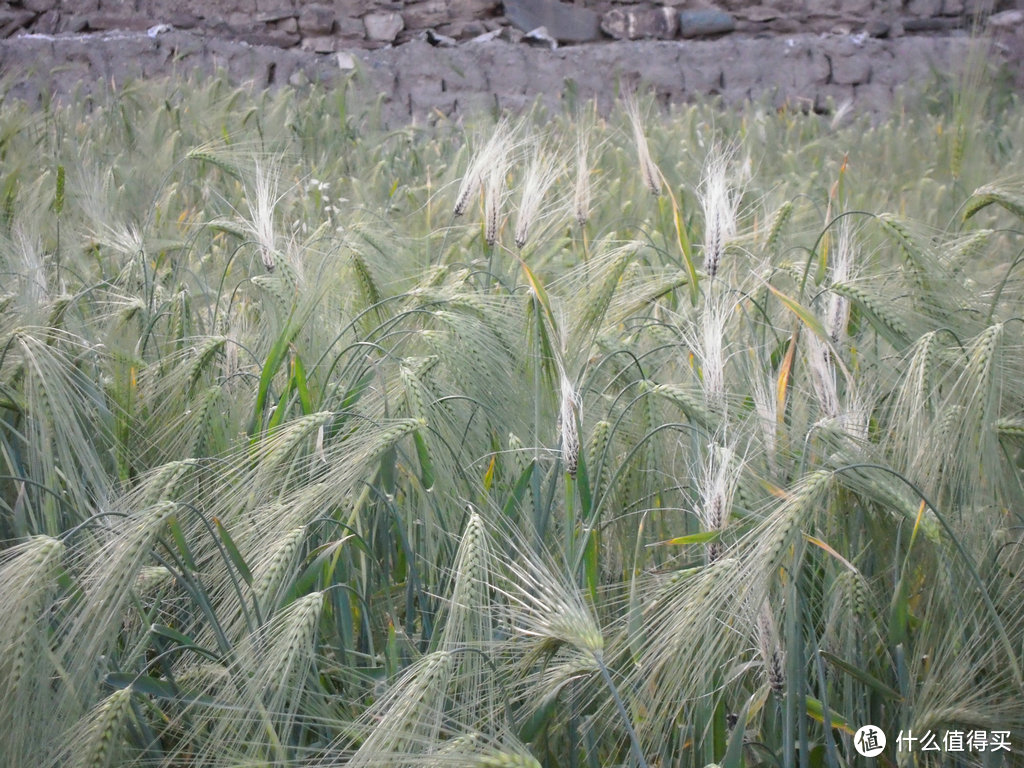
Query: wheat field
(650, 439)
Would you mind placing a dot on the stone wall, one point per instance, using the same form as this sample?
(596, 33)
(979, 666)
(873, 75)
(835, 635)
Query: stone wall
(430, 57)
(330, 26)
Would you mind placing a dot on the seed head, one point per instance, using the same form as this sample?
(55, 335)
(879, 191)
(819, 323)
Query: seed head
(650, 172)
(719, 201)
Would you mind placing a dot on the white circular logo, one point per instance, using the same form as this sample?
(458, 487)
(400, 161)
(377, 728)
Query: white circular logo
(869, 740)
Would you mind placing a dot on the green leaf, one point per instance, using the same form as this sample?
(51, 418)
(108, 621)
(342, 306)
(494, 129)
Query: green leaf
(590, 564)
(233, 553)
(540, 717)
(301, 384)
(683, 239)
(703, 537)
(515, 499)
(899, 611)
(816, 711)
(144, 684)
(270, 368)
(806, 316)
(184, 641)
(583, 487)
(869, 680)
(179, 540)
(734, 752)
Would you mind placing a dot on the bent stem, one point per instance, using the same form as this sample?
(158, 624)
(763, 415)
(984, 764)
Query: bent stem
(634, 741)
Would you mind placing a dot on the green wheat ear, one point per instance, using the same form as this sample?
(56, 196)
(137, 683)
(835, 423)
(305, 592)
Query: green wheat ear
(102, 733)
(58, 195)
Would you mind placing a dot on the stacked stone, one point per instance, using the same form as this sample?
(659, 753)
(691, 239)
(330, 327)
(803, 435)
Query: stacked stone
(327, 26)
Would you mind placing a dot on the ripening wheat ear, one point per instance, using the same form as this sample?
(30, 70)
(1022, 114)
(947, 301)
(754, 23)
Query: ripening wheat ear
(773, 655)
(494, 190)
(271, 576)
(720, 202)
(841, 271)
(248, 719)
(648, 169)
(540, 175)
(546, 606)
(106, 586)
(766, 412)
(28, 578)
(99, 737)
(568, 432)
(709, 340)
(823, 375)
(717, 486)
(468, 622)
(496, 149)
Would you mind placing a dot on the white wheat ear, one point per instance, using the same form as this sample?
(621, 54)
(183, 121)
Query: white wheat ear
(842, 269)
(720, 201)
(540, 175)
(717, 487)
(648, 169)
(823, 376)
(581, 192)
(773, 655)
(261, 203)
(569, 403)
(493, 191)
(497, 147)
(711, 343)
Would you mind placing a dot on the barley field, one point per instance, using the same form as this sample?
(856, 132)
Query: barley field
(651, 439)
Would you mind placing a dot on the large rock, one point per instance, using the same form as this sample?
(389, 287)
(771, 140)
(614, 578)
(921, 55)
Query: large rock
(924, 7)
(565, 23)
(425, 14)
(316, 19)
(1007, 20)
(11, 21)
(38, 6)
(383, 27)
(705, 23)
(651, 23)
